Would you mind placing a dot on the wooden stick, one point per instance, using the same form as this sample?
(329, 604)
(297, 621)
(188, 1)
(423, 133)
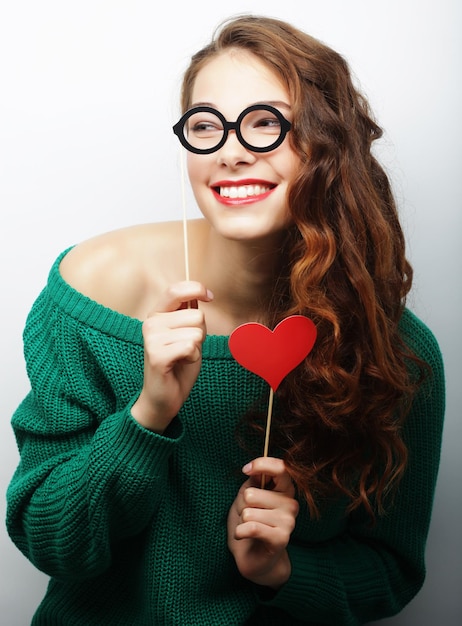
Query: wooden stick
(268, 430)
(186, 265)
(185, 223)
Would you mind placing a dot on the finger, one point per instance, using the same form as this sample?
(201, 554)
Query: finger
(165, 349)
(180, 294)
(182, 352)
(279, 517)
(262, 499)
(181, 318)
(273, 468)
(192, 304)
(276, 537)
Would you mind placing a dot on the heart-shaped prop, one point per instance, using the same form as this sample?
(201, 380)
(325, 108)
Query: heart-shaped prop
(272, 354)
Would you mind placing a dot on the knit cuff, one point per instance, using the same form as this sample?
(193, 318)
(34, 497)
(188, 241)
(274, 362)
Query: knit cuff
(308, 583)
(137, 447)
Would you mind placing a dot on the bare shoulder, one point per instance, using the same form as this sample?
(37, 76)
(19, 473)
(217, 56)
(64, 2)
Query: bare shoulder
(127, 269)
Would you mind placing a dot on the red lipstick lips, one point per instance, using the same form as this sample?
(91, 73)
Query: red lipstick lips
(240, 192)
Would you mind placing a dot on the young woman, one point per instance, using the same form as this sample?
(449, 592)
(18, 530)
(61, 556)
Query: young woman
(139, 488)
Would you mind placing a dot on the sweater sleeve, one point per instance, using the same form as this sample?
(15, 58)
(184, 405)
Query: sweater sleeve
(372, 571)
(88, 475)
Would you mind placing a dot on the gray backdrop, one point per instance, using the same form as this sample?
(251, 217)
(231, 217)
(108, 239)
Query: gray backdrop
(88, 97)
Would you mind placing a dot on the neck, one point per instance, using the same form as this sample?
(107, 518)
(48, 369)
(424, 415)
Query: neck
(241, 275)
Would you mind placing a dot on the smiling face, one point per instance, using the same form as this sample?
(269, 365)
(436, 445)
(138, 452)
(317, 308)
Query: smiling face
(242, 193)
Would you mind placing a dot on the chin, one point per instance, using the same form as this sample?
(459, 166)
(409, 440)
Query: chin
(249, 230)
(247, 221)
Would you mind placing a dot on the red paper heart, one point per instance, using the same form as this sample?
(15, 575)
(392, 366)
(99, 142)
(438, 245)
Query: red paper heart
(272, 354)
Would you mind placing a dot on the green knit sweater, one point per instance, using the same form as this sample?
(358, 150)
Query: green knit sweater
(131, 525)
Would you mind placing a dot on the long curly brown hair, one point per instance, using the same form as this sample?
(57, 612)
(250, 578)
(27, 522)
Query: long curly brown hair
(340, 414)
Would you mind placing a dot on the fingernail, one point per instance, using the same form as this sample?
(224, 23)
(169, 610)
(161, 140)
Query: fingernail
(247, 468)
(209, 294)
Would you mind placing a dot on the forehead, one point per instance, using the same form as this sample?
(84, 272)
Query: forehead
(236, 79)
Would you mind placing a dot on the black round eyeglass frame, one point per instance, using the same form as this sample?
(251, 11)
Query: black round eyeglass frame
(178, 128)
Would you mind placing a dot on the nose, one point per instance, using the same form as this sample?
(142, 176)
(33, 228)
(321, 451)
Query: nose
(233, 153)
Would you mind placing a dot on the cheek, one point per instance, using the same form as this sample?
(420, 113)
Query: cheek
(196, 174)
(292, 164)
(195, 165)
(286, 163)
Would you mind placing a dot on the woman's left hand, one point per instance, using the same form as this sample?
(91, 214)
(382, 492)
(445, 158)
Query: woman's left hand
(261, 521)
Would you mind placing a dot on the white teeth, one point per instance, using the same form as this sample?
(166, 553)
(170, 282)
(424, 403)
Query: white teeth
(243, 191)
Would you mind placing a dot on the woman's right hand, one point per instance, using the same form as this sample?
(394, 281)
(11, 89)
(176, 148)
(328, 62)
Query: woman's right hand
(173, 336)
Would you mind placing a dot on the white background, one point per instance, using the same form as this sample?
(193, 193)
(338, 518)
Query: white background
(88, 95)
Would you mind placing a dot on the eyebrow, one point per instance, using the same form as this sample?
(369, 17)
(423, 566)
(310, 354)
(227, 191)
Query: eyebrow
(275, 103)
